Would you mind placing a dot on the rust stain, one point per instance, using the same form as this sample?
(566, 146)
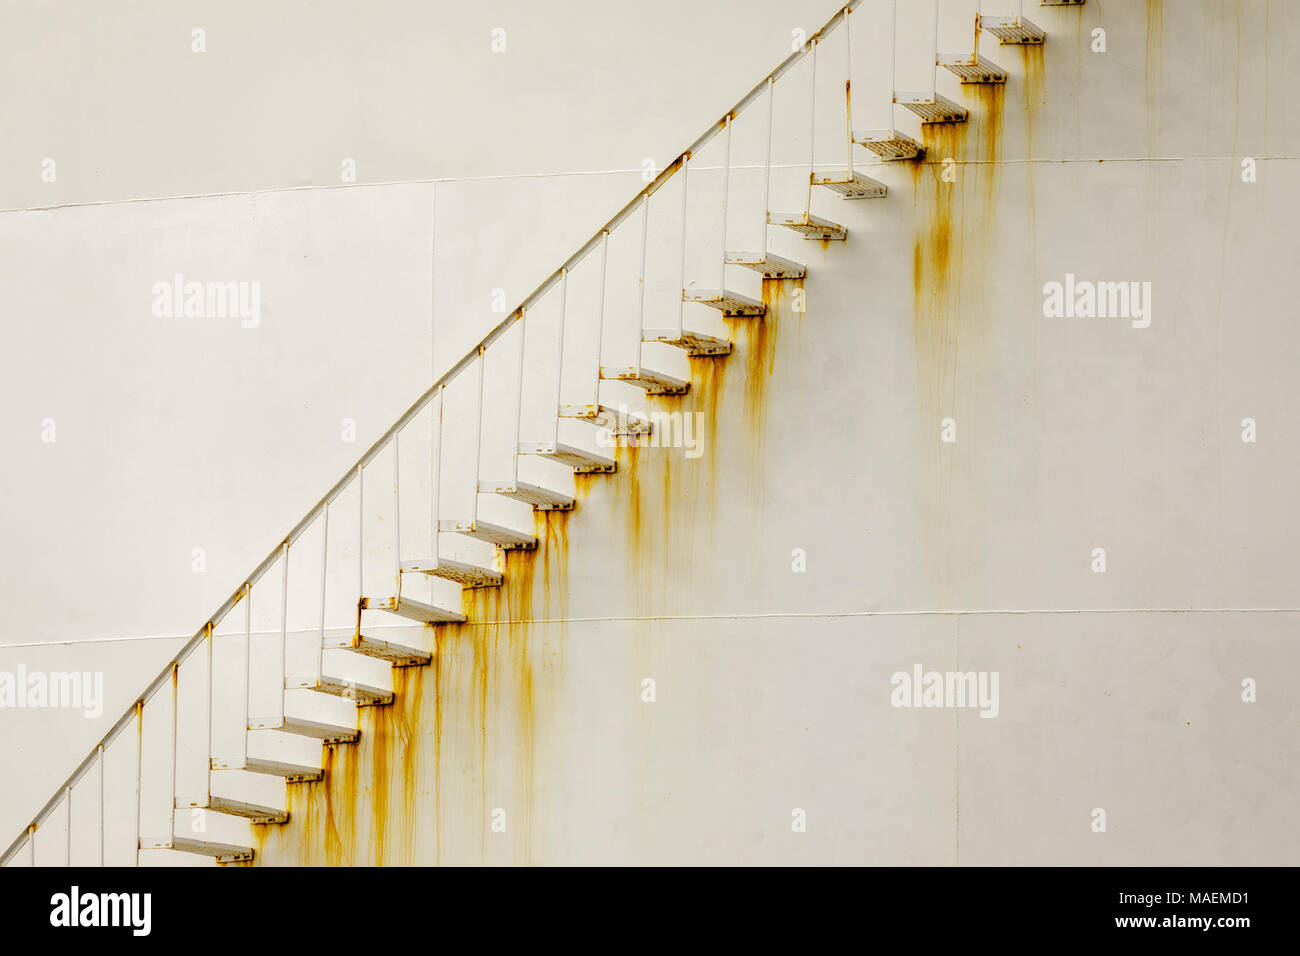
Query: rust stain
(379, 739)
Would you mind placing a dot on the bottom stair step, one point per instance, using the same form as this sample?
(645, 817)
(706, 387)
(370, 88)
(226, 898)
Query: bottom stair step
(543, 499)
(656, 383)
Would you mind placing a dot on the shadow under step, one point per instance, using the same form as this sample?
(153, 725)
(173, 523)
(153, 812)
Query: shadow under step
(582, 462)
(324, 717)
(463, 573)
(1013, 29)
(503, 537)
(972, 68)
(728, 303)
(695, 343)
(855, 186)
(353, 677)
(543, 499)
(655, 383)
(279, 754)
(808, 226)
(889, 144)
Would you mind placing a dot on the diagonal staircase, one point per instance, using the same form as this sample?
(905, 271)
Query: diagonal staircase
(210, 758)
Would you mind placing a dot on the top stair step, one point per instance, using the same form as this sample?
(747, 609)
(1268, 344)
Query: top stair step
(1013, 29)
(855, 186)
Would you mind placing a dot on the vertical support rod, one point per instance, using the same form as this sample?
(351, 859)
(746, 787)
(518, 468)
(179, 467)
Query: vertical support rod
(139, 772)
(176, 715)
(248, 675)
(519, 397)
(559, 358)
(101, 805)
(207, 763)
(67, 849)
(361, 532)
(437, 467)
(284, 632)
(478, 440)
(318, 652)
(934, 58)
(767, 165)
(812, 124)
(681, 281)
(726, 185)
(893, 53)
(848, 96)
(600, 317)
(640, 309)
(397, 514)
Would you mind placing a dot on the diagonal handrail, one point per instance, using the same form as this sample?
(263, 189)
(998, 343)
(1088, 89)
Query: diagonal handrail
(319, 509)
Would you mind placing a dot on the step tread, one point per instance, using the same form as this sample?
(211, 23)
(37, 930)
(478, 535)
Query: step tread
(695, 343)
(808, 225)
(498, 535)
(770, 265)
(932, 107)
(462, 572)
(580, 460)
(889, 144)
(619, 421)
(656, 383)
(972, 68)
(413, 610)
(727, 302)
(855, 186)
(1013, 29)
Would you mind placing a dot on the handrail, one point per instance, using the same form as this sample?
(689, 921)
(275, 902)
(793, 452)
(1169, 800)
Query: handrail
(418, 406)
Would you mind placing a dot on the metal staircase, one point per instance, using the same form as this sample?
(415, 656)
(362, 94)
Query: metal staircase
(223, 761)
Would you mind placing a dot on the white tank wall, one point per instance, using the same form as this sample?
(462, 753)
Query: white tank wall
(773, 686)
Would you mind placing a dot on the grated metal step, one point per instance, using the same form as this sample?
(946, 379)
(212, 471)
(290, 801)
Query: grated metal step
(728, 303)
(931, 107)
(889, 144)
(323, 717)
(281, 754)
(543, 499)
(1061, 3)
(505, 538)
(695, 343)
(620, 422)
(408, 650)
(259, 797)
(655, 383)
(767, 264)
(1013, 29)
(856, 186)
(463, 573)
(972, 68)
(414, 610)
(808, 226)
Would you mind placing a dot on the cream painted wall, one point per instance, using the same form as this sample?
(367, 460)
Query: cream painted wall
(773, 686)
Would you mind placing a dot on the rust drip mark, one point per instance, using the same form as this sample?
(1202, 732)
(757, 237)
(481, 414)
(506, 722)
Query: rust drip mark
(708, 379)
(407, 708)
(439, 690)
(628, 500)
(379, 743)
(1154, 69)
(989, 109)
(756, 338)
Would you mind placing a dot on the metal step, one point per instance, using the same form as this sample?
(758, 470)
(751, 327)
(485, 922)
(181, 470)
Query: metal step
(414, 610)
(323, 717)
(226, 837)
(543, 499)
(972, 68)
(582, 462)
(1013, 29)
(502, 537)
(398, 646)
(655, 383)
(619, 421)
(808, 226)
(931, 107)
(856, 186)
(280, 754)
(889, 144)
(695, 343)
(767, 264)
(1060, 3)
(465, 574)
(259, 797)
(728, 303)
